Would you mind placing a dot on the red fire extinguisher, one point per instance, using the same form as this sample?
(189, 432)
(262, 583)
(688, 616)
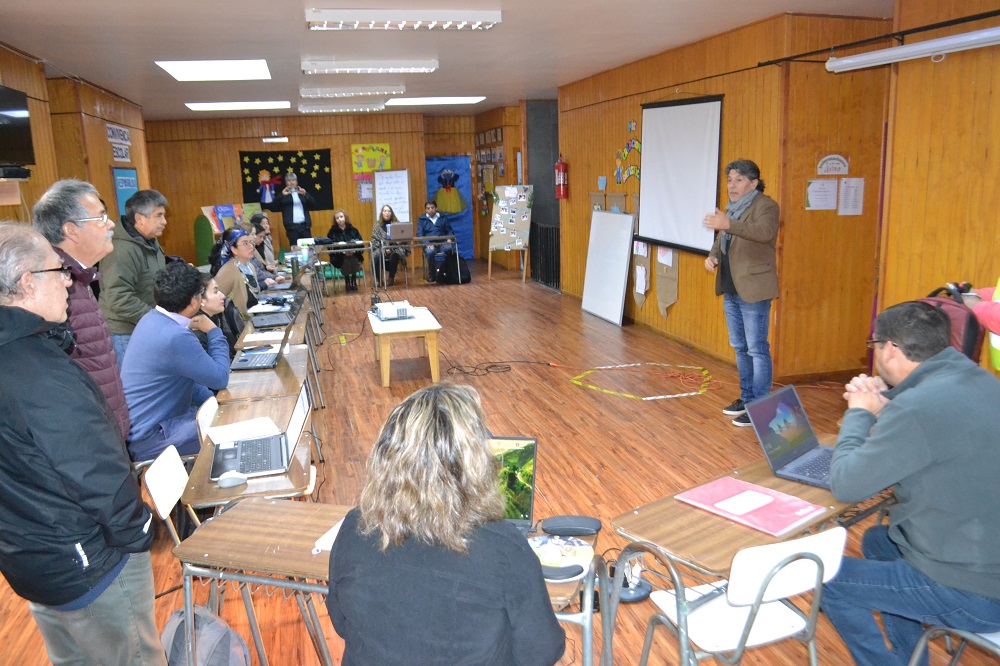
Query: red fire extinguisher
(562, 179)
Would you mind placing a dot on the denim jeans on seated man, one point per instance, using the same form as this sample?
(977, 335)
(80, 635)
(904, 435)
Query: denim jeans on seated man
(748, 325)
(181, 431)
(883, 581)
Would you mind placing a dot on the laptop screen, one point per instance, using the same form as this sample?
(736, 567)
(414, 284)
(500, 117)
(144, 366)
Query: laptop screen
(297, 422)
(782, 426)
(517, 475)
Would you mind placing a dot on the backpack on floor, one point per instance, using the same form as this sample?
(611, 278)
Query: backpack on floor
(215, 641)
(966, 333)
(448, 273)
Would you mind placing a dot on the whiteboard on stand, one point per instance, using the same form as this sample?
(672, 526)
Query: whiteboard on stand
(392, 188)
(608, 257)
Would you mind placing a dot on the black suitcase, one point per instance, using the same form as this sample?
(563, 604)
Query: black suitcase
(446, 272)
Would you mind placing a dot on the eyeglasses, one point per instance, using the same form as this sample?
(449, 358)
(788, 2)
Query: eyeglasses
(875, 341)
(66, 271)
(103, 220)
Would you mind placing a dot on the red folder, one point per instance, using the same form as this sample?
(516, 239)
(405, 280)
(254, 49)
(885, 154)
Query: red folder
(761, 508)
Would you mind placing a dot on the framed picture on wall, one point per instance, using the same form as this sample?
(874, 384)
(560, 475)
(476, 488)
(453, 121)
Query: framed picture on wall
(499, 134)
(126, 183)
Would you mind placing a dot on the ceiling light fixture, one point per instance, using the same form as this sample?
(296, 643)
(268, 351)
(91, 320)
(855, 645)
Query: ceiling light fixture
(930, 47)
(401, 19)
(384, 90)
(432, 101)
(347, 107)
(216, 70)
(275, 139)
(237, 106)
(369, 67)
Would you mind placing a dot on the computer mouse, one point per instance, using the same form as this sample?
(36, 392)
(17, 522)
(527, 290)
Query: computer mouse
(231, 479)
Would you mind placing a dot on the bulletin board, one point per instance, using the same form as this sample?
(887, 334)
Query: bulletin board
(392, 188)
(511, 223)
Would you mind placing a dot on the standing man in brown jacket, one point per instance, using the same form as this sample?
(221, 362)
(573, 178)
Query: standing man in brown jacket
(746, 276)
(72, 218)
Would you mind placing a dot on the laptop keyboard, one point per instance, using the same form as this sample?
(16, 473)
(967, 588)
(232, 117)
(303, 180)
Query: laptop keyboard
(816, 467)
(255, 455)
(251, 361)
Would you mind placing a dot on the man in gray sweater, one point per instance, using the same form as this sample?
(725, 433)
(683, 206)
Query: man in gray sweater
(926, 425)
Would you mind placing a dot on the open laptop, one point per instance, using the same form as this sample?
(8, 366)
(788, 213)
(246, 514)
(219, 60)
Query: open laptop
(400, 231)
(282, 286)
(788, 440)
(276, 319)
(246, 359)
(262, 456)
(517, 478)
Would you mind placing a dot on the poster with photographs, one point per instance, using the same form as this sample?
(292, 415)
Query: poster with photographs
(511, 221)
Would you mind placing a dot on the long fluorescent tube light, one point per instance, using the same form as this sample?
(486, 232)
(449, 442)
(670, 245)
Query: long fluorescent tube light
(275, 139)
(401, 19)
(216, 70)
(384, 90)
(432, 101)
(237, 106)
(346, 107)
(369, 66)
(930, 47)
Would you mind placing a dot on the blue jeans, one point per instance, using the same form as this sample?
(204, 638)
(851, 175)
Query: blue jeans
(120, 343)
(116, 628)
(747, 324)
(905, 597)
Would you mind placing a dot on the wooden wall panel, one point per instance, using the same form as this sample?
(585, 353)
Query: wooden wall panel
(195, 164)
(510, 119)
(24, 73)
(779, 118)
(945, 146)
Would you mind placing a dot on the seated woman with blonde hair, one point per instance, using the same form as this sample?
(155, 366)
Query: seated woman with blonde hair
(425, 570)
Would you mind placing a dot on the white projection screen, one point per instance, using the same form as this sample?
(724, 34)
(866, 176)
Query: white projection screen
(680, 172)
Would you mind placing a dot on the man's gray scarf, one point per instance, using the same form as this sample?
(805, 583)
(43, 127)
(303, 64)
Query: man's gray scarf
(734, 211)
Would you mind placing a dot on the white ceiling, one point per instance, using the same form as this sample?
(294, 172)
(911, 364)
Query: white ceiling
(540, 44)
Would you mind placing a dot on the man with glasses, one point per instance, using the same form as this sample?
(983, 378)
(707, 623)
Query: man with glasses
(73, 219)
(927, 426)
(127, 273)
(167, 373)
(75, 532)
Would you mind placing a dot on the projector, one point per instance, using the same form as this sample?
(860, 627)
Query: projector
(393, 310)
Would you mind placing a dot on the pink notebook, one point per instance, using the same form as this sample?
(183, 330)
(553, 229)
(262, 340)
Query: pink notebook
(761, 508)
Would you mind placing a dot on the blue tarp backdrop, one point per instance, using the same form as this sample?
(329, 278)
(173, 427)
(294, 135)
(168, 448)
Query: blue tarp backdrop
(449, 184)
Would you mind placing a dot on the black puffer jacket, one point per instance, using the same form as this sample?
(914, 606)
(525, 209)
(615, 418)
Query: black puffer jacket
(70, 507)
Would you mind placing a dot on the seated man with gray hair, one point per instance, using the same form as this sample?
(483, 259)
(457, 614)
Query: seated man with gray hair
(76, 534)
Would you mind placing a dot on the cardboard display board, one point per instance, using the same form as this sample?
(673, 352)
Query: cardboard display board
(393, 188)
(511, 217)
(607, 265)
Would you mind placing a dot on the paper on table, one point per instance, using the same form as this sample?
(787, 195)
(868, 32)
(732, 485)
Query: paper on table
(264, 308)
(271, 335)
(259, 427)
(325, 542)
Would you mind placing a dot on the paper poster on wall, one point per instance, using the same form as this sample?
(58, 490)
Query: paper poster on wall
(641, 261)
(392, 188)
(365, 191)
(367, 158)
(821, 194)
(126, 182)
(852, 196)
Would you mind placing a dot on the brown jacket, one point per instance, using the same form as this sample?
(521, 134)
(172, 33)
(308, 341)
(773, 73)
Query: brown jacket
(233, 284)
(751, 252)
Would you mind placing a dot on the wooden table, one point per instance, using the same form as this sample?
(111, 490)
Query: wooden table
(201, 492)
(422, 325)
(284, 379)
(707, 542)
(263, 542)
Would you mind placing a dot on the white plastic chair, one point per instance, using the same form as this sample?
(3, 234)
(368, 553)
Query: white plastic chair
(988, 642)
(165, 479)
(721, 619)
(205, 417)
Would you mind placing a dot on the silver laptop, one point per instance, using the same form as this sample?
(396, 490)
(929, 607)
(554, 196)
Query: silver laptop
(400, 231)
(788, 440)
(252, 358)
(262, 456)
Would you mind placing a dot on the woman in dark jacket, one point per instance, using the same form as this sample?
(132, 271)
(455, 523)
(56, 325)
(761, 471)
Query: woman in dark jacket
(348, 263)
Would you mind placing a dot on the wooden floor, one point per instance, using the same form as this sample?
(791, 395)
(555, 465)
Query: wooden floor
(599, 453)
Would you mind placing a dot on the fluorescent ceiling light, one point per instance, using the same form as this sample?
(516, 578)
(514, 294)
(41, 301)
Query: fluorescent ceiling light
(369, 66)
(346, 107)
(384, 90)
(432, 101)
(216, 70)
(930, 47)
(237, 106)
(275, 139)
(19, 113)
(401, 19)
